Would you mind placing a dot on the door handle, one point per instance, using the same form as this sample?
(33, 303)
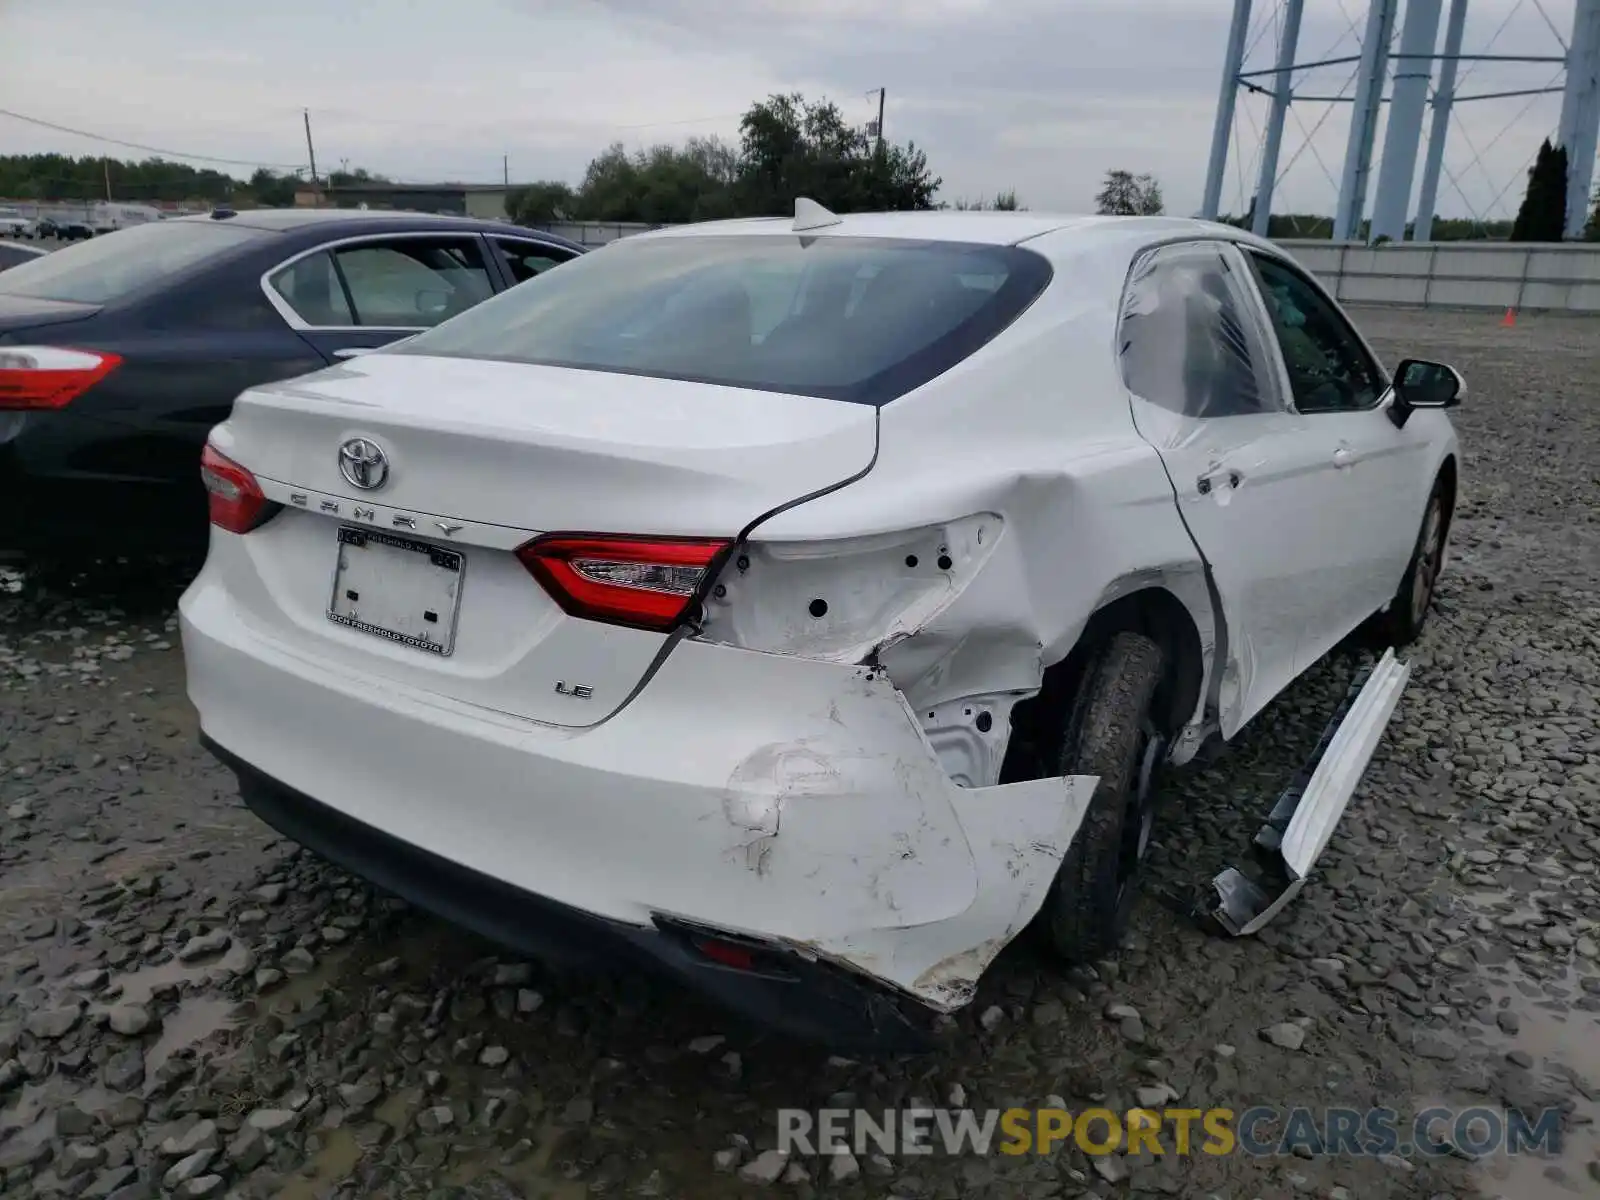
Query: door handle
(353, 351)
(1343, 458)
(1216, 479)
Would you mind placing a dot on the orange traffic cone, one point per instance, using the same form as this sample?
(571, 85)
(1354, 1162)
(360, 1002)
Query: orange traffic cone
(1510, 319)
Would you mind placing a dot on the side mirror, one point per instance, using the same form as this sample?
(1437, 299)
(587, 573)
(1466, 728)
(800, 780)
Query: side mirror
(1419, 383)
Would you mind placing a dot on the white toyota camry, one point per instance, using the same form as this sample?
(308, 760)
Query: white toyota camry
(806, 607)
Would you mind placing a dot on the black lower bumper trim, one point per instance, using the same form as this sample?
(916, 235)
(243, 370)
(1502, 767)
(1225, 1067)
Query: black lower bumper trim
(812, 1001)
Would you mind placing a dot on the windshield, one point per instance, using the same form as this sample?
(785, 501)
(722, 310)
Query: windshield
(117, 264)
(858, 319)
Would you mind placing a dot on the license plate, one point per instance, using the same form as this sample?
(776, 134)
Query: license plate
(403, 590)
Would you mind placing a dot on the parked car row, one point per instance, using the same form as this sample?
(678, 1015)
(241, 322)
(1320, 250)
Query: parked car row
(98, 218)
(63, 229)
(868, 570)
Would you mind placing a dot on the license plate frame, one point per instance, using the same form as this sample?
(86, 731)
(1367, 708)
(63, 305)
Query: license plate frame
(354, 537)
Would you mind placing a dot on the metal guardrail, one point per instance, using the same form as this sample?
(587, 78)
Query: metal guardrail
(1539, 277)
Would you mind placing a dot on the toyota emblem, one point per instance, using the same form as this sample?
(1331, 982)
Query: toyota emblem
(363, 464)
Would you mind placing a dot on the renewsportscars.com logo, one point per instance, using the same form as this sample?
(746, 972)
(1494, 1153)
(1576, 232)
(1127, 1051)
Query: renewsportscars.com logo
(1258, 1131)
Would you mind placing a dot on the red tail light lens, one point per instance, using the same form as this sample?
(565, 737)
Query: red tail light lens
(728, 954)
(646, 583)
(45, 377)
(235, 498)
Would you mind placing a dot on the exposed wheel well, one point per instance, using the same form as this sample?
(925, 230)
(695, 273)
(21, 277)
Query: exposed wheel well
(1447, 485)
(1154, 612)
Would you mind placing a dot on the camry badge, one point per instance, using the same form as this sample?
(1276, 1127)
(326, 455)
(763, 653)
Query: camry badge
(363, 464)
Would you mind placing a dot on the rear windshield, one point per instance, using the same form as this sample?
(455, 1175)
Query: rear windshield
(857, 319)
(107, 268)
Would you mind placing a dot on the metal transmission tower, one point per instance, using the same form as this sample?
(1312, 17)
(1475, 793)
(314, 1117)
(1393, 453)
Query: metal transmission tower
(1408, 101)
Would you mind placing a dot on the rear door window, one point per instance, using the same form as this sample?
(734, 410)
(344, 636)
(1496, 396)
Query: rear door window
(857, 319)
(413, 283)
(1187, 340)
(394, 283)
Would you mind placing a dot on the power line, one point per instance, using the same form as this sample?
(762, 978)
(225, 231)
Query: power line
(156, 150)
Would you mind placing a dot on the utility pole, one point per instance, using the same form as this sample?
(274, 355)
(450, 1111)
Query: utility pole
(881, 94)
(105, 165)
(310, 149)
(505, 169)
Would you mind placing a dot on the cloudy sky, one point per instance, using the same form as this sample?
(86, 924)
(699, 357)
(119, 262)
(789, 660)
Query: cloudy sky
(1038, 95)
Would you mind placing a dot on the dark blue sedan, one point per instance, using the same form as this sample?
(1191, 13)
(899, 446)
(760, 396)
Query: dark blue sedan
(118, 355)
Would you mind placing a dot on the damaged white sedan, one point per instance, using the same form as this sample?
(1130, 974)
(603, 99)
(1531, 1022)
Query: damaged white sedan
(807, 607)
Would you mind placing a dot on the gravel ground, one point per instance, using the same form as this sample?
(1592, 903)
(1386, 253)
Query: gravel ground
(191, 1006)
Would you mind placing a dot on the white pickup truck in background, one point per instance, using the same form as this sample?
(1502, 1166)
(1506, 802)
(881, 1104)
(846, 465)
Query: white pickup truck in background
(105, 217)
(14, 224)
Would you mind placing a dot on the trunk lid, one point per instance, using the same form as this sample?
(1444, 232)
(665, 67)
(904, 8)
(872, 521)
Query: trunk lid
(482, 457)
(21, 313)
(548, 448)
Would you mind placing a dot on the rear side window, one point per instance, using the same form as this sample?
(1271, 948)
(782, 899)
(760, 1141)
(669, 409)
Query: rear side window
(118, 264)
(857, 319)
(312, 288)
(1187, 341)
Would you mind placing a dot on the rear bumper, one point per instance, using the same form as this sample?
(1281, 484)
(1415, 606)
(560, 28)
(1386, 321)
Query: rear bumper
(804, 998)
(792, 802)
(49, 502)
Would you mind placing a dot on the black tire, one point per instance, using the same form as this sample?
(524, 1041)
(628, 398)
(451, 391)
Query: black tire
(1109, 731)
(1408, 611)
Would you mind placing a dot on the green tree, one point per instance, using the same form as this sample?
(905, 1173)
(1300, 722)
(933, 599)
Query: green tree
(271, 190)
(541, 203)
(91, 177)
(1124, 194)
(790, 147)
(663, 185)
(1591, 231)
(1543, 215)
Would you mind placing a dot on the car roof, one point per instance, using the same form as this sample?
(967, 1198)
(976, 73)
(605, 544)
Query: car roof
(983, 228)
(360, 220)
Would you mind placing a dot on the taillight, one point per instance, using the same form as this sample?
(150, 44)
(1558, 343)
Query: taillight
(45, 377)
(646, 583)
(235, 499)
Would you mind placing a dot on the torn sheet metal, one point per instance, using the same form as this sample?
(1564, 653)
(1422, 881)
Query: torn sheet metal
(837, 832)
(1301, 823)
(1018, 833)
(1082, 501)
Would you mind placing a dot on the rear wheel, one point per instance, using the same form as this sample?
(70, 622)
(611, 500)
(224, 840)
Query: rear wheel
(1110, 731)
